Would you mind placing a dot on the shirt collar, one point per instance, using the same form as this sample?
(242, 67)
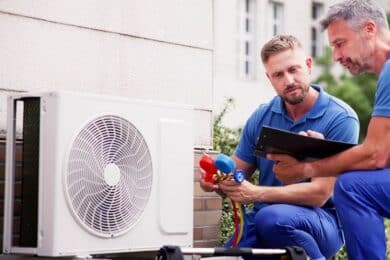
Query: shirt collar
(316, 111)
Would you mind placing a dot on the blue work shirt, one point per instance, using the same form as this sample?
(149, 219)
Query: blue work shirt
(330, 116)
(382, 94)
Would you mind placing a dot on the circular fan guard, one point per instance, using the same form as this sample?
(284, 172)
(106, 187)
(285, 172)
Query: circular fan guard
(109, 176)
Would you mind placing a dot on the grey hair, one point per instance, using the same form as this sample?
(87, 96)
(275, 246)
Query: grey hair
(355, 13)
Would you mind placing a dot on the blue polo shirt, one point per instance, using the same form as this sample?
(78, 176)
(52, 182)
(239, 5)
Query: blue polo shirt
(382, 93)
(330, 116)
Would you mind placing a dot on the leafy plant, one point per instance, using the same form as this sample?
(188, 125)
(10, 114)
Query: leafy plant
(225, 140)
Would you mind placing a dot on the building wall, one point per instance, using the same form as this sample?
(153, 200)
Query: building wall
(138, 49)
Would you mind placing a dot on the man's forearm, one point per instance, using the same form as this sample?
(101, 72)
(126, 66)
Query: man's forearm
(358, 157)
(306, 194)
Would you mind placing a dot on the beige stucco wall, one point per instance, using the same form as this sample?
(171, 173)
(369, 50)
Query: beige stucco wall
(144, 49)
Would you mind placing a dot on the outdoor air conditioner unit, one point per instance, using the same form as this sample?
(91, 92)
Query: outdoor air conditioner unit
(99, 175)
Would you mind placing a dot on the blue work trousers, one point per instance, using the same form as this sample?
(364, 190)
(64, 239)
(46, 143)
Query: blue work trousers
(362, 200)
(280, 225)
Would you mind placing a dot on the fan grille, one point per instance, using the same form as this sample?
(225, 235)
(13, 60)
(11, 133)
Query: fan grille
(109, 176)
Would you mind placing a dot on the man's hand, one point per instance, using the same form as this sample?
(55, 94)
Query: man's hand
(207, 186)
(312, 133)
(244, 192)
(287, 169)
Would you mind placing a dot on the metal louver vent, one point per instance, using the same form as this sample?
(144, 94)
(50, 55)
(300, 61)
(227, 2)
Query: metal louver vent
(109, 176)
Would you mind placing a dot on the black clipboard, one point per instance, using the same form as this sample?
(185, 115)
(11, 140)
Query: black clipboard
(303, 148)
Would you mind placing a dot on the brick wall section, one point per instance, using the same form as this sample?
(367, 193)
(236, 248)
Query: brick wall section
(207, 206)
(207, 212)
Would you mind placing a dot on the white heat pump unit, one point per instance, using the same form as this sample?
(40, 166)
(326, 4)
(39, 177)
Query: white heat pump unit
(98, 175)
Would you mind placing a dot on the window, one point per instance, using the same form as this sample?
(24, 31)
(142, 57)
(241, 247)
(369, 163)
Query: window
(317, 40)
(277, 20)
(247, 52)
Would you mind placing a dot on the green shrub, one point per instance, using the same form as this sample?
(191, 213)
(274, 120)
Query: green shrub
(225, 140)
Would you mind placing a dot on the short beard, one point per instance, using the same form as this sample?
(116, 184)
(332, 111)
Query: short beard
(360, 68)
(298, 98)
(295, 100)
